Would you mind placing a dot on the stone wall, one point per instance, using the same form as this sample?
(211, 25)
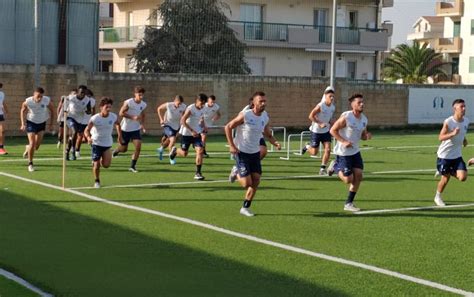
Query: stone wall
(290, 99)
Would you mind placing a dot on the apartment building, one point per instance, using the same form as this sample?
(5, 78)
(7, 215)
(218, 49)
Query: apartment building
(283, 37)
(456, 39)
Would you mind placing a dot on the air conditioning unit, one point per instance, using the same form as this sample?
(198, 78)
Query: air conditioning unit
(283, 34)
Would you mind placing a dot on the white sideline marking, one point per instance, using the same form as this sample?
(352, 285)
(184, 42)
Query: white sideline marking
(23, 283)
(403, 171)
(255, 239)
(413, 208)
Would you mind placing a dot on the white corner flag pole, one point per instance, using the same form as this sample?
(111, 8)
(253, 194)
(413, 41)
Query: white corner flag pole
(65, 140)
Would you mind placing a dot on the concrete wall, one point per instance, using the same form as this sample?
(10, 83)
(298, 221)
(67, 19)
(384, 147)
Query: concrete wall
(290, 99)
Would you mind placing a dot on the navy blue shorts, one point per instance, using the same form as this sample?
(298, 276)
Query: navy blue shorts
(248, 164)
(450, 166)
(317, 138)
(346, 164)
(35, 128)
(61, 124)
(262, 142)
(130, 136)
(2, 118)
(186, 142)
(169, 132)
(73, 124)
(98, 151)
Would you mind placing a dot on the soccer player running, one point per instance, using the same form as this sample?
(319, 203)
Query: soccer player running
(211, 115)
(3, 113)
(77, 107)
(38, 110)
(99, 135)
(60, 111)
(191, 129)
(170, 114)
(321, 116)
(133, 121)
(249, 125)
(452, 137)
(348, 130)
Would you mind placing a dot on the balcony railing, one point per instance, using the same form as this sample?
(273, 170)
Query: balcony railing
(448, 45)
(272, 33)
(452, 8)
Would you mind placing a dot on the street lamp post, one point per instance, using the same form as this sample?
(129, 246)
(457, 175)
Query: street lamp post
(333, 44)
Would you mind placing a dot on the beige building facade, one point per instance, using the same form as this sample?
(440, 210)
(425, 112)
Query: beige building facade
(283, 37)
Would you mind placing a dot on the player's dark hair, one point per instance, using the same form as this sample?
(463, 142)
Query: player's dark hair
(180, 98)
(89, 93)
(39, 90)
(139, 89)
(251, 102)
(202, 97)
(458, 101)
(258, 93)
(330, 91)
(355, 96)
(212, 97)
(105, 101)
(83, 87)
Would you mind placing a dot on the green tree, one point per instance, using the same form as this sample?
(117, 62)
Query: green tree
(413, 64)
(194, 38)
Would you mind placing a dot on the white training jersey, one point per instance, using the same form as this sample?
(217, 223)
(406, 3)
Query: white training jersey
(210, 113)
(87, 117)
(76, 108)
(247, 135)
(351, 132)
(451, 148)
(101, 132)
(2, 98)
(134, 109)
(60, 114)
(324, 116)
(173, 115)
(193, 120)
(38, 112)
(247, 107)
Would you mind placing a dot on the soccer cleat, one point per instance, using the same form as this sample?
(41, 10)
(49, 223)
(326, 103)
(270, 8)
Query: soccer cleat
(233, 174)
(470, 162)
(58, 145)
(97, 185)
(437, 174)
(305, 149)
(66, 156)
(160, 153)
(331, 168)
(3, 151)
(198, 176)
(134, 170)
(439, 201)
(25, 153)
(31, 168)
(73, 156)
(323, 171)
(246, 212)
(77, 154)
(172, 161)
(173, 153)
(351, 207)
(205, 155)
(115, 153)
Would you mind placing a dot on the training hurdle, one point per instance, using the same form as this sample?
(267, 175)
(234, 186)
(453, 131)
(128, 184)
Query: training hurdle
(297, 152)
(283, 146)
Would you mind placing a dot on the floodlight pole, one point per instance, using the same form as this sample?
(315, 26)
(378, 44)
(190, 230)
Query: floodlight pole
(37, 38)
(333, 44)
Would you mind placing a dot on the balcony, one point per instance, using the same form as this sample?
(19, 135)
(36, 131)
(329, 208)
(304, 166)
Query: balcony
(305, 36)
(268, 35)
(121, 37)
(452, 8)
(448, 45)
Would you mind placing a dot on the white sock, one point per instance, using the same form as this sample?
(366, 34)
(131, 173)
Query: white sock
(438, 194)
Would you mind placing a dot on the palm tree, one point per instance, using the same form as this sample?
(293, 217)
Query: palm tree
(413, 64)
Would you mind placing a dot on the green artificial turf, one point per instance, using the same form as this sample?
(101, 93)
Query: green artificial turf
(9, 288)
(72, 246)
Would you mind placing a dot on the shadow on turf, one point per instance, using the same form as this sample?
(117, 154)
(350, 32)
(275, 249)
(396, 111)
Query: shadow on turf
(69, 254)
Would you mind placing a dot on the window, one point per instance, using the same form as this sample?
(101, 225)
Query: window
(320, 21)
(319, 68)
(471, 64)
(472, 27)
(455, 66)
(351, 69)
(353, 19)
(252, 14)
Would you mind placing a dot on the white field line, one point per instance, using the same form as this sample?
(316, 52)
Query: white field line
(23, 283)
(403, 171)
(255, 239)
(413, 209)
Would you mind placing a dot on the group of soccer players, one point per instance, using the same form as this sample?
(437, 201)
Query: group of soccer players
(76, 114)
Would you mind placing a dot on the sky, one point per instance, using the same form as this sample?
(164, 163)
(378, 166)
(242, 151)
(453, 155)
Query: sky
(404, 14)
